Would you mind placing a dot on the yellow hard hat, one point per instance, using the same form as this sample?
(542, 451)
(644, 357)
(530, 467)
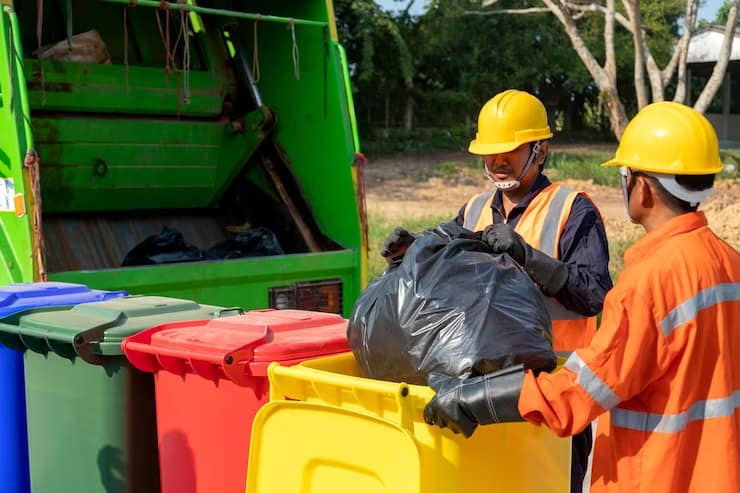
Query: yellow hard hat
(669, 138)
(507, 121)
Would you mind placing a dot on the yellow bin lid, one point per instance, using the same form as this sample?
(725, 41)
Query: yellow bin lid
(344, 454)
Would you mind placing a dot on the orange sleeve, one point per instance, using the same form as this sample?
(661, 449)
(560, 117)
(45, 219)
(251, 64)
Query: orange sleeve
(623, 358)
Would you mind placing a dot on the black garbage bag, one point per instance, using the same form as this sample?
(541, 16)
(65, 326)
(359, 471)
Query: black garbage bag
(167, 247)
(257, 242)
(452, 307)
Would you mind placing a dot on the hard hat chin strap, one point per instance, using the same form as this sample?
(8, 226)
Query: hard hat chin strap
(505, 186)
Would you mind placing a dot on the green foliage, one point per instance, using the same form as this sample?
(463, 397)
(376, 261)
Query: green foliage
(419, 140)
(443, 65)
(723, 12)
(662, 20)
(376, 47)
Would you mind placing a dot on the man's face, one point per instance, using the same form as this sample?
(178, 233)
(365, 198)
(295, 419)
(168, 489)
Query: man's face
(509, 165)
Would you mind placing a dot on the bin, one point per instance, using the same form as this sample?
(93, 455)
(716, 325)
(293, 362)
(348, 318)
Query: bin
(17, 300)
(327, 429)
(91, 417)
(210, 380)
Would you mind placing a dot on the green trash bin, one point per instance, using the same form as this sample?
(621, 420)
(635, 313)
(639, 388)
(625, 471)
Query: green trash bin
(91, 415)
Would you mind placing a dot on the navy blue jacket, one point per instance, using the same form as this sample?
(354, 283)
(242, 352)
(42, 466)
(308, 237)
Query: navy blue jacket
(582, 247)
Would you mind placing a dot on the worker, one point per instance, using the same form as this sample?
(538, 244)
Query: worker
(661, 373)
(555, 233)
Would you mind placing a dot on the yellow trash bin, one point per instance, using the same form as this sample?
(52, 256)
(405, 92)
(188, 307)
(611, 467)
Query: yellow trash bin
(328, 429)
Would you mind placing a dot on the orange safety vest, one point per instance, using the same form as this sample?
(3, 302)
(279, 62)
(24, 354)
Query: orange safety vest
(541, 225)
(664, 364)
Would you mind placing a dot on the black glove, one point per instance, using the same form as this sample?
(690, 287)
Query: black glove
(395, 246)
(461, 404)
(550, 274)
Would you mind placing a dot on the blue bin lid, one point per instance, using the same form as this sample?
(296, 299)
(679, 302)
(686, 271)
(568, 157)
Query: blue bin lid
(15, 298)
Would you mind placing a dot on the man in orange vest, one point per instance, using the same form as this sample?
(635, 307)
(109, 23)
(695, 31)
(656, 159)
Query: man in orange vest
(555, 233)
(662, 372)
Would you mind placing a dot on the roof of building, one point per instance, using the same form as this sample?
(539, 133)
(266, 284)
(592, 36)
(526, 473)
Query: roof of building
(705, 45)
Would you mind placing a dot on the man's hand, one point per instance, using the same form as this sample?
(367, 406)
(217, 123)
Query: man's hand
(461, 404)
(549, 274)
(396, 244)
(503, 239)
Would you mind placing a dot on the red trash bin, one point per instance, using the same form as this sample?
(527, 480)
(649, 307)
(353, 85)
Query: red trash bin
(211, 378)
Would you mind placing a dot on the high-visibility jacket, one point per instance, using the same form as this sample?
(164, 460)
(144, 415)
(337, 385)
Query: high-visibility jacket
(541, 225)
(665, 364)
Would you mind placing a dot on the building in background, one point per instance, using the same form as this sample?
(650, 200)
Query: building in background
(724, 111)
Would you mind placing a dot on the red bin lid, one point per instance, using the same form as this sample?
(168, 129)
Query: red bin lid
(237, 347)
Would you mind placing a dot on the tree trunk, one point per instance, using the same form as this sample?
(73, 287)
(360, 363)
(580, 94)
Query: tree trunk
(606, 77)
(617, 115)
(683, 50)
(633, 9)
(387, 129)
(409, 117)
(657, 84)
(718, 74)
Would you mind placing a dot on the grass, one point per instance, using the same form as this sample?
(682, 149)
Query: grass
(581, 166)
(616, 256)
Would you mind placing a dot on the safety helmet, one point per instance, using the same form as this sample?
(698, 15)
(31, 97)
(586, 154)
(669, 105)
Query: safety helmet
(669, 138)
(508, 120)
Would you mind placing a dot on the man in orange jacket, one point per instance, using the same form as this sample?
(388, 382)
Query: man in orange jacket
(661, 373)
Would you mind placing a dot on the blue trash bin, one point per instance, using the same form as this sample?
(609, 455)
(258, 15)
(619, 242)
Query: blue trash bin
(17, 300)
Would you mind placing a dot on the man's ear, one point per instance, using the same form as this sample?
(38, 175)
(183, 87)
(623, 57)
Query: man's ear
(647, 193)
(544, 151)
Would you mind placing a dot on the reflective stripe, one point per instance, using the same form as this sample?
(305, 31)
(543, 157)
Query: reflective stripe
(673, 423)
(591, 383)
(559, 312)
(704, 299)
(472, 213)
(551, 225)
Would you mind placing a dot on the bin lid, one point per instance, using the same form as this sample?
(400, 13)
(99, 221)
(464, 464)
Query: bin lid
(15, 298)
(238, 347)
(93, 330)
(304, 446)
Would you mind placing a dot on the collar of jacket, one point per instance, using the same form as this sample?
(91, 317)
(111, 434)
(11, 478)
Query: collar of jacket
(649, 243)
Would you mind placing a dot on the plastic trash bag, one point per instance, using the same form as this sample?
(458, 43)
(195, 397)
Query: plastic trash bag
(167, 247)
(452, 307)
(258, 242)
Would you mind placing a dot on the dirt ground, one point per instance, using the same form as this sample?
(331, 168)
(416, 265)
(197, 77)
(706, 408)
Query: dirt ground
(407, 186)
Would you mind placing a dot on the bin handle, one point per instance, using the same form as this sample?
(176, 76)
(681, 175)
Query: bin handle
(220, 313)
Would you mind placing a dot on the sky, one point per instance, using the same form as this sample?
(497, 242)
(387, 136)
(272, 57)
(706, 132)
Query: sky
(706, 11)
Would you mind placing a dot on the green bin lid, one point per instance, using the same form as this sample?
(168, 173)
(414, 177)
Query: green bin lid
(94, 330)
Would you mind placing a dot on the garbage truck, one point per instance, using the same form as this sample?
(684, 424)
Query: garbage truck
(202, 150)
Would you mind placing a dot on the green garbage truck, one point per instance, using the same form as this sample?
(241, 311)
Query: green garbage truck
(203, 150)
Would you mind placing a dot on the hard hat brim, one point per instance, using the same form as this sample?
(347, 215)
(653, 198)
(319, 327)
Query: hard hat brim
(488, 149)
(659, 169)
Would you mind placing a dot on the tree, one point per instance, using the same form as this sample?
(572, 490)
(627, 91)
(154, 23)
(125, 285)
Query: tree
(469, 58)
(379, 56)
(723, 12)
(631, 16)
